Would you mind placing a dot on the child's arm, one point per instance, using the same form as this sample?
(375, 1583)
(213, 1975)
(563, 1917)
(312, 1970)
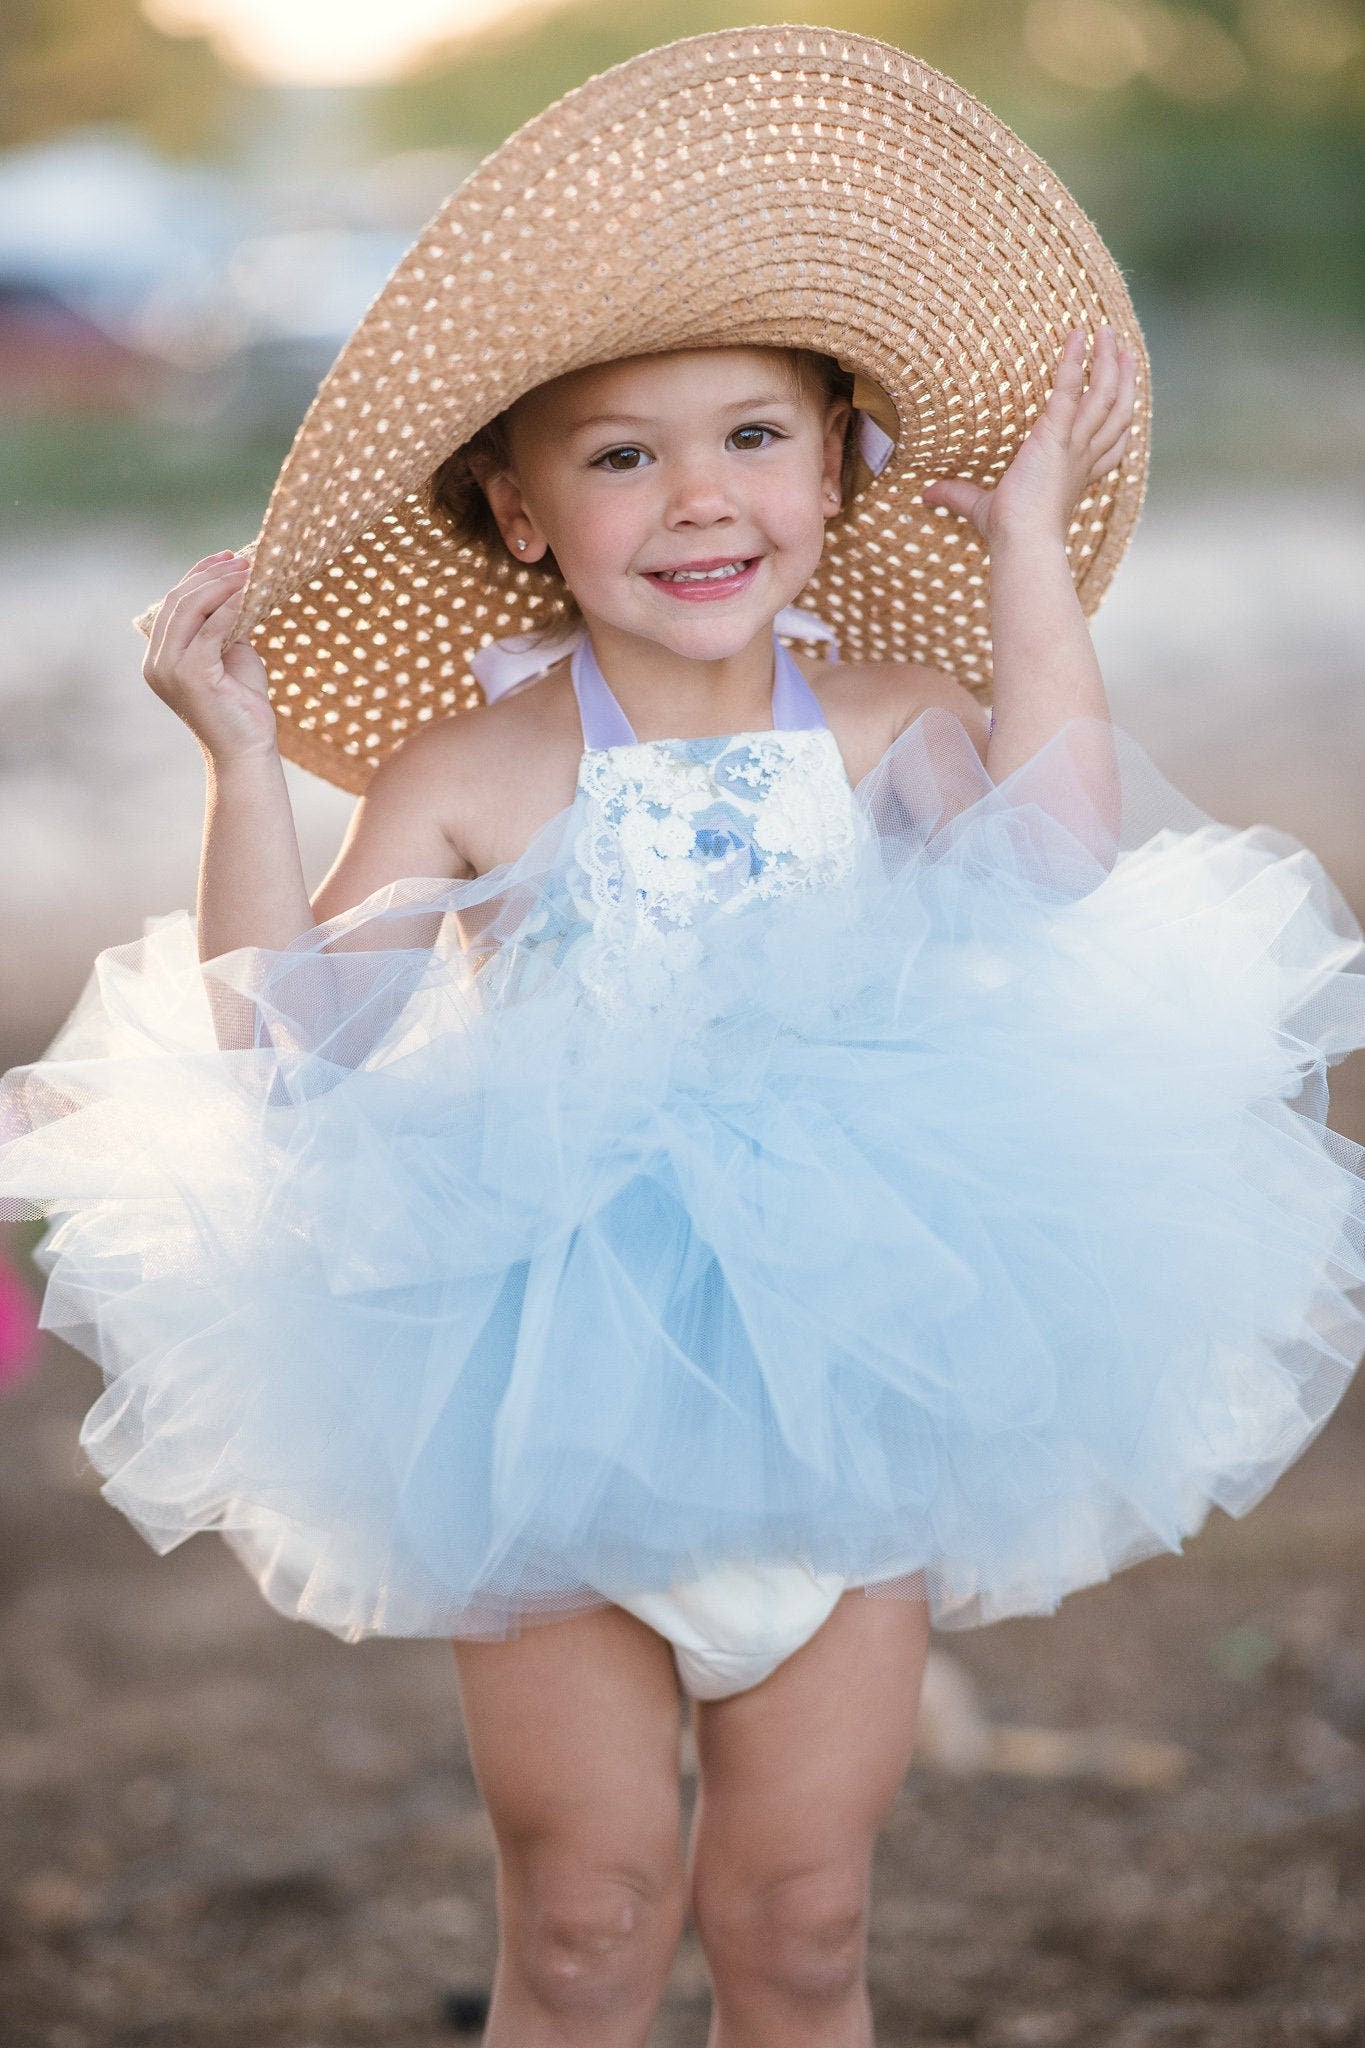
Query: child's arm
(251, 886)
(1045, 669)
(252, 894)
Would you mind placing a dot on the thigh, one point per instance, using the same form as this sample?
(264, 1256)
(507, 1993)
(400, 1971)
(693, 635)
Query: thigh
(797, 1772)
(573, 1731)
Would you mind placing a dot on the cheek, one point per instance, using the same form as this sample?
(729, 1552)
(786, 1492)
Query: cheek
(793, 511)
(805, 504)
(604, 530)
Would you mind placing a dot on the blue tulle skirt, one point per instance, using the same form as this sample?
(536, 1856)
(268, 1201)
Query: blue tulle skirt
(970, 1222)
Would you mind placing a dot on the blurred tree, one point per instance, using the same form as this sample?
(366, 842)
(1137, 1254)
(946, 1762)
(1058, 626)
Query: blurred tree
(1220, 144)
(65, 62)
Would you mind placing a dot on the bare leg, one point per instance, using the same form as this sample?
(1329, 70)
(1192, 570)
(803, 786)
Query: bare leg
(573, 1731)
(796, 1774)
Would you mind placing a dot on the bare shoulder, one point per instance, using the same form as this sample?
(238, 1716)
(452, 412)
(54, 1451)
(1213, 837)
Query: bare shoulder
(498, 772)
(905, 688)
(870, 703)
(517, 728)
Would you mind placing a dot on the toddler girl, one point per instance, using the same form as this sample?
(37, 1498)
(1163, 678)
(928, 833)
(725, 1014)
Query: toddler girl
(743, 1156)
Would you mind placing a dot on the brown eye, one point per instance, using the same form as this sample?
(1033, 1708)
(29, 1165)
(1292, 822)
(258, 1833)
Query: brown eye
(756, 430)
(606, 459)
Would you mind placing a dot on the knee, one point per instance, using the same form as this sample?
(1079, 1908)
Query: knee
(804, 1935)
(590, 1940)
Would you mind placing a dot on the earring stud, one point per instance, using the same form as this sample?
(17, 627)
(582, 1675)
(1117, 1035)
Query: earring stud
(521, 543)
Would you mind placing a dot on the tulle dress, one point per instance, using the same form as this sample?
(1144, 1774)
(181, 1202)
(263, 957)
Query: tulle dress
(922, 1185)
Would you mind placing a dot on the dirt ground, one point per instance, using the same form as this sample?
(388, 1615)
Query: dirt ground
(226, 1830)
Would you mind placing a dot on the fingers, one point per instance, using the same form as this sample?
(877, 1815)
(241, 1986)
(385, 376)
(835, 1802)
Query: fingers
(958, 493)
(1101, 419)
(202, 593)
(1087, 430)
(1108, 458)
(1107, 407)
(1070, 377)
(1110, 368)
(1104, 382)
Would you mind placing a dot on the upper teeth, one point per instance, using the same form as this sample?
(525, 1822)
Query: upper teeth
(700, 575)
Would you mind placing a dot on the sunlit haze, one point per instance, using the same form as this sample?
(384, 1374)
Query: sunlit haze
(323, 42)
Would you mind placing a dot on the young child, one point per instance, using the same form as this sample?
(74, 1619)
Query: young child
(743, 1156)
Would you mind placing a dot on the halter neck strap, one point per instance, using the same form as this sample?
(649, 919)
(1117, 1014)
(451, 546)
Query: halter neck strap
(795, 707)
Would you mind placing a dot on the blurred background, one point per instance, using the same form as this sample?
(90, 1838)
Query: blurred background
(230, 1829)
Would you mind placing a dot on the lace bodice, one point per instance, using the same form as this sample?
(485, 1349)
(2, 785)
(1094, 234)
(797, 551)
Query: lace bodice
(677, 830)
(680, 826)
(669, 832)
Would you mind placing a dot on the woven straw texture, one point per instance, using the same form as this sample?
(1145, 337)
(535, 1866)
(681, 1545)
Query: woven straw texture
(767, 186)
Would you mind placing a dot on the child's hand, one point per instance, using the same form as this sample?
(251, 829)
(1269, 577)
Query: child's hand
(1077, 438)
(222, 696)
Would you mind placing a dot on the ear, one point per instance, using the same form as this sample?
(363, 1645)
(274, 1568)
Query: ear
(838, 416)
(525, 541)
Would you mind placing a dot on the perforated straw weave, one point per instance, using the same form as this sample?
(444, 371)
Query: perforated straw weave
(770, 186)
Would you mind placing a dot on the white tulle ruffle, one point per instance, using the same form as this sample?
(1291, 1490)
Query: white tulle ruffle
(972, 1216)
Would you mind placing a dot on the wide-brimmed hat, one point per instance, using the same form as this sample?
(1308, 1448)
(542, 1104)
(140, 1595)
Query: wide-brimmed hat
(770, 186)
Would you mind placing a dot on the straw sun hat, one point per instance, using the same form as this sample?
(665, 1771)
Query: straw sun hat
(771, 186)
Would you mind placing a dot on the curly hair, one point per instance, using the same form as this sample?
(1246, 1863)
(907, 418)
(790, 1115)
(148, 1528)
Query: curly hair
(454, 497)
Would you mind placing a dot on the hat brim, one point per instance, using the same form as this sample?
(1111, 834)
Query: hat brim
(778, 186)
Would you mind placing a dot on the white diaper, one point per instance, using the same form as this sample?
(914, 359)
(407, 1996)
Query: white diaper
(732, 1626)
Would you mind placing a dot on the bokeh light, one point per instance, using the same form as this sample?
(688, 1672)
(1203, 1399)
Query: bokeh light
(1101, 45)
(323, 42)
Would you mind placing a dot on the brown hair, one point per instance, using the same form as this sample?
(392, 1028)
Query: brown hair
(454, 497)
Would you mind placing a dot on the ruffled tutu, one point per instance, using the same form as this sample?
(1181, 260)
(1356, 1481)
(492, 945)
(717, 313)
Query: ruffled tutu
(971, 1216)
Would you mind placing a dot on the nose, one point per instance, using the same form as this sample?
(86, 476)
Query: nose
(699, 494)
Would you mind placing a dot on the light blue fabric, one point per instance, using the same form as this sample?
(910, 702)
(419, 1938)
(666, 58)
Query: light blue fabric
(927, 1178)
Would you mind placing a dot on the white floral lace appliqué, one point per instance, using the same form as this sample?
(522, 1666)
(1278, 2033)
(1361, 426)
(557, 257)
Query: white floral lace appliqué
(678, 830)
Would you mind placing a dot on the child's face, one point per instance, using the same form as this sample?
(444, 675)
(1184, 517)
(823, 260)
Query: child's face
(696, 458)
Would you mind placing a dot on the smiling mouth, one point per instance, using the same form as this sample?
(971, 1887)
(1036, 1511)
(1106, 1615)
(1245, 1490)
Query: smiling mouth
(724, 574)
